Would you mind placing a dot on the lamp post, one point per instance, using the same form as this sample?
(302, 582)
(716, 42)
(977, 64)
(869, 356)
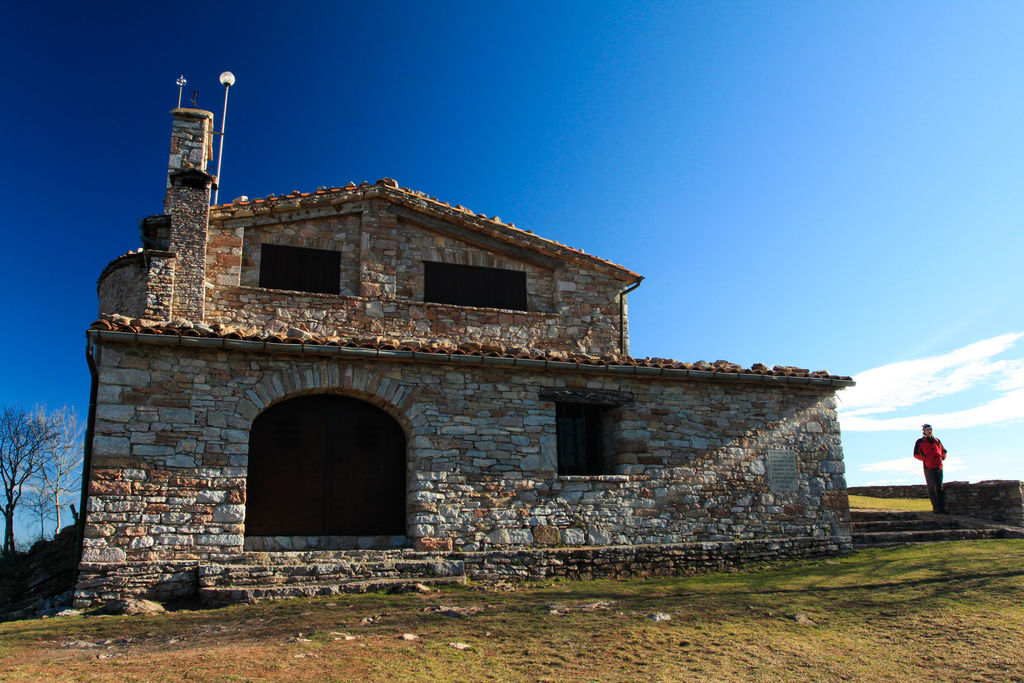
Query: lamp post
(227, 79)
(181, 83)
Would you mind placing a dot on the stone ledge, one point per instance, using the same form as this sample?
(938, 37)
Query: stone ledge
(622, 561)
(165, 580)
(289, 543)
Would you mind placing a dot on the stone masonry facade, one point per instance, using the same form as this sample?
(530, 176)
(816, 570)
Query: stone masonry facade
(384, 234)
(174, 434)
(168, 476)
(190, 353)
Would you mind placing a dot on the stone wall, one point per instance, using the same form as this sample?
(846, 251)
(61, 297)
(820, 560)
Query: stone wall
(571, 308)
(122, 287)
(688, 462)
(894, 491)
(415, 244)
(191, 145)
(640, 560)
(160, 288)
(189, 208)
(998, 500)
(336, 233)
(99, 583)
(138, 285)
(572, 299)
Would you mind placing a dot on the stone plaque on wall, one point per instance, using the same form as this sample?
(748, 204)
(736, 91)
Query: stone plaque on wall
(783, 474)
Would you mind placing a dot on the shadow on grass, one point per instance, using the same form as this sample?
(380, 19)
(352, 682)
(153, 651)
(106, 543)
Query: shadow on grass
(876, 584)
(900, 579)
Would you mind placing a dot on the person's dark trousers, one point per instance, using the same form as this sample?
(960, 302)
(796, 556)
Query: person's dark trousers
(933, 477)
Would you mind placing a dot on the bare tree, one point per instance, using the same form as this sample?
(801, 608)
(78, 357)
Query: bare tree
(23, 437)
(62, 457)
(36, 506)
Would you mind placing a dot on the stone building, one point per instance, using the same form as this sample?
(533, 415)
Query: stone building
(304, 393)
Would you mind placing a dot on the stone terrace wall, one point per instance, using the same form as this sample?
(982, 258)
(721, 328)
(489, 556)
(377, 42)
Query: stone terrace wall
(907, 491)
(999, 501)
(99, 583)
(640, 560)
(571, 308)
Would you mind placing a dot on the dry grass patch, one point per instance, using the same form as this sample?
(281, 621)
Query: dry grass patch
(949, 611)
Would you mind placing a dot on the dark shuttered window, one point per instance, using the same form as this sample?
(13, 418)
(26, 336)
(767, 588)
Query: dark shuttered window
(580, 439)
(449, 283)
(300, 268)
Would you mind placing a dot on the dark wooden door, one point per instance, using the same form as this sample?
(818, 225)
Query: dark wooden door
(325, 466)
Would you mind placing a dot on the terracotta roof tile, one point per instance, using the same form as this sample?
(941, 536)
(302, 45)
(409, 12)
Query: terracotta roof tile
(117, 323)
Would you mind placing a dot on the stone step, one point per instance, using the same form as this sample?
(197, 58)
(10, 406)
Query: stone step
(904, 525)
(882, 515)
(883, 539)
(342, 570)
(283, 557)
(227, 595)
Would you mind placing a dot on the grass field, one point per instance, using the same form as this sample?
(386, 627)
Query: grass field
(916, 504)
(946, 611)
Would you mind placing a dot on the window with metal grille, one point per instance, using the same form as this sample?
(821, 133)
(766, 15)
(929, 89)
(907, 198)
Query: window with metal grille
(300, 268)
(450, 283)
(579, 429)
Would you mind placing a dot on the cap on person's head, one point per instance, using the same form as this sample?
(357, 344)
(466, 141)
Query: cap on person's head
(925, 426)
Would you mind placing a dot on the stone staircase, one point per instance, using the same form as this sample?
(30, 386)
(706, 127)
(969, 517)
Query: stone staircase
(887, 528)
(272, 575)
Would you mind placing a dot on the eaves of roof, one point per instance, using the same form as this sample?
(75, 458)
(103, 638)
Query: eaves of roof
(199, 336)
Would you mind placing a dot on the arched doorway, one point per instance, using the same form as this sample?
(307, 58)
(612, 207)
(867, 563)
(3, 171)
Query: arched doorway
(325, 465)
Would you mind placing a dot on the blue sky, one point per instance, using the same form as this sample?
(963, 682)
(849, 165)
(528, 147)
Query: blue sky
(829, 185)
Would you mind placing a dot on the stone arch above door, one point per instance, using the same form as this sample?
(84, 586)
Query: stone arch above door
(393, 396)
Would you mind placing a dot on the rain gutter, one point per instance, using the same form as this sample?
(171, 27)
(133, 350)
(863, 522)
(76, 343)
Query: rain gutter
(622, 314)
(90, 426)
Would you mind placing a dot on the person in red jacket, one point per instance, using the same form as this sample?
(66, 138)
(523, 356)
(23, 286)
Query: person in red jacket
(931, 451)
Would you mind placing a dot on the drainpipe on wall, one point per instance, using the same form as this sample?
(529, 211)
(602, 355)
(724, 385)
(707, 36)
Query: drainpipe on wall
(87, 446)
(622, 315)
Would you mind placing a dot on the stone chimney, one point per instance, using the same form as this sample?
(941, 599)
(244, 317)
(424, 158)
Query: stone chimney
(187, 202)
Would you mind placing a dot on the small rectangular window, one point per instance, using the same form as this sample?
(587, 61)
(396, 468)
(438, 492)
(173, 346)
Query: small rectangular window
(449, 283)
(579, 429)
(300, 268)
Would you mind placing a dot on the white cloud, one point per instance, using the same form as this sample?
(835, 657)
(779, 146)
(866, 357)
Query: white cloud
(907, 470)
(907, 383)
(907, 465)
(1013, 377)
(1002, 410)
